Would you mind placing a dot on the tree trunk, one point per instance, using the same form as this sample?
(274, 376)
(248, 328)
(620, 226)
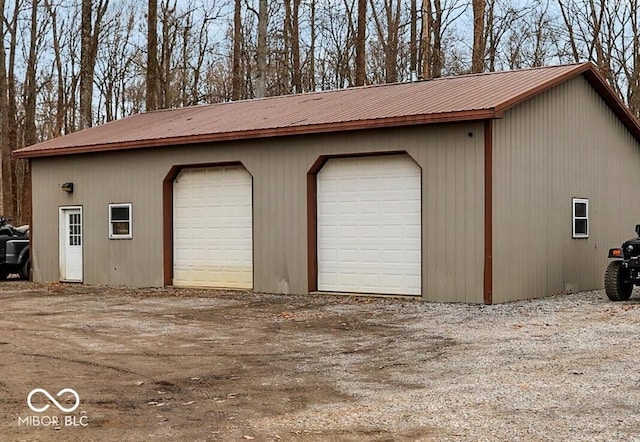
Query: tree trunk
(89, 35)
(12, 131)
(479, 42)
(60, 93)
(30, 81)
(23, 175)
(393, 27)
(571, 34)
(286, 56)
(169, 29)
(152, 56)
(437, 55)
(261, 56)
(361, 39)
(296, 78)
(5, 147)
(426, 39)
(388, 37)
(312, 47)
(236, 80)
(86, 75)
(413, 41)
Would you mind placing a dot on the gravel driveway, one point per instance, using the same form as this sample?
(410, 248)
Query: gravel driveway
(175, 364)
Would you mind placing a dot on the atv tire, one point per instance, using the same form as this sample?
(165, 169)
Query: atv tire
(614, 285)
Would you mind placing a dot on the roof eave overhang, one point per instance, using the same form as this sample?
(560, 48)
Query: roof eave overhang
(407, 120)
(613, 100)
(544, 86)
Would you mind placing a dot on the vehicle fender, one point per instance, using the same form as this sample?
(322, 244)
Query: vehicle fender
(24, 255)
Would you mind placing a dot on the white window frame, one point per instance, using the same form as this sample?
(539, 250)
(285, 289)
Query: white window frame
(574, 218)
(130, 220)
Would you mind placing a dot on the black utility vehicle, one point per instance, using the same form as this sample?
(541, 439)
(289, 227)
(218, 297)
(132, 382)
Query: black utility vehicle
(15, 256)
(623, 273)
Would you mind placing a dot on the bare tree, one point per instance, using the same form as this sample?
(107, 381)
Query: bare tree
(569, 25)
(169, 25)
(479, 38)
(594, 31)
(413, 40)
(116, 64)
(263, 23)
(5, 148)
(388, 29)
(284, 70)
(438, 17)
(152, 55)
(629, 54)
(360, 44)
(60, 95)
(90, 33)
(30, 88)
(10, 136)
(296, 77)
(22, 172)
(312, 46)
(237, 52)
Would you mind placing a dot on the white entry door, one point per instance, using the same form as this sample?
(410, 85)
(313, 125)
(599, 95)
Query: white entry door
(71, 244)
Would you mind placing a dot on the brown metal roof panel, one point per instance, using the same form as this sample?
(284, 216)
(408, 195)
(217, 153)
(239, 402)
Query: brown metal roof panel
(443, 99)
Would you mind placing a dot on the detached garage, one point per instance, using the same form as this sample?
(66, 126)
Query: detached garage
(478, 188)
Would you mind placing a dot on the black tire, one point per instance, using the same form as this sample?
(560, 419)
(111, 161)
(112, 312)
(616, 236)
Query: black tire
(614, 285)
(25, 270)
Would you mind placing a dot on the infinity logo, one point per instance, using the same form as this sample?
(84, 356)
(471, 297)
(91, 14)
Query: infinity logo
(55, 402)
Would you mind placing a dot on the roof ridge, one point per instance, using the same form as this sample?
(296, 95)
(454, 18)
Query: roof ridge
(508, 71)
(367, 86)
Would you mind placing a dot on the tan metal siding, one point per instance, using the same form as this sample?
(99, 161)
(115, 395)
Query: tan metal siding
(452, 184)
(118, 262)
(565, 143)
(453, 215)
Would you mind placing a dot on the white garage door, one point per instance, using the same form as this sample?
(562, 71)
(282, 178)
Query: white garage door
(369, 225)
(213, 234)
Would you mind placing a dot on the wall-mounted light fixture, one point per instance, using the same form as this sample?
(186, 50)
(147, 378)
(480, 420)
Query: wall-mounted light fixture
(67, 187)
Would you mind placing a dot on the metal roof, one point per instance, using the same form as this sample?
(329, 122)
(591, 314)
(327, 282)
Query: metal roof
(447, 99)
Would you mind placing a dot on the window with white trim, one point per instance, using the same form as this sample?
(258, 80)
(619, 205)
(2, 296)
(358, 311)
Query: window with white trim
(580, 218)
(120, 221)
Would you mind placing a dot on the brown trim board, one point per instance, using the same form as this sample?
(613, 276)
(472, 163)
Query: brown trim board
(331, 127)
(31, 254)
(488, 212)
(312, 223)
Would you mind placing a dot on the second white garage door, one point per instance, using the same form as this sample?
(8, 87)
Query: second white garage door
(369, 225)
(213, 228)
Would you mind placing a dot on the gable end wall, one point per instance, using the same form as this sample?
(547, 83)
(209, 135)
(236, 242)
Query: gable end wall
(564, 143)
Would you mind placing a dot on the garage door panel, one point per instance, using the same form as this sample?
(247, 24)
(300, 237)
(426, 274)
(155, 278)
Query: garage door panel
(369, 225)
(213, 228)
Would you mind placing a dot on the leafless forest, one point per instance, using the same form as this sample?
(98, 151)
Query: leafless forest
(69, 64)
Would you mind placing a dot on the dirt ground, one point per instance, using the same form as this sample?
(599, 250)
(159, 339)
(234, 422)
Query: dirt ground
(171, 364)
